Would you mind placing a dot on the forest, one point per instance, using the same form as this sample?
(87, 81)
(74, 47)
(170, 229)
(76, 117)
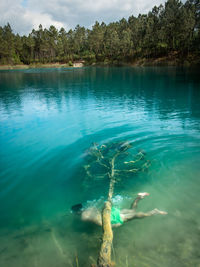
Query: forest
(169, 30)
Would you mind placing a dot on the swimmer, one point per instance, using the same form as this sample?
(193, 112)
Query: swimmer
(118, 217)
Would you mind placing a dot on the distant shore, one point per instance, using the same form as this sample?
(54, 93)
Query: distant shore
(33, 66)
(162, 61)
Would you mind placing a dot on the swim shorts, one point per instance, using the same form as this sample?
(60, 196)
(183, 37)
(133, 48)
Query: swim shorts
(115, 217)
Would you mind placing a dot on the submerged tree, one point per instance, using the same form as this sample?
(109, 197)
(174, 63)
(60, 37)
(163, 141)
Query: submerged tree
(110, 159)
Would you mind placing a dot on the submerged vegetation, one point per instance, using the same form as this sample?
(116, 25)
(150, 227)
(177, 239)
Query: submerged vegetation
(106, 159)
(171, 31)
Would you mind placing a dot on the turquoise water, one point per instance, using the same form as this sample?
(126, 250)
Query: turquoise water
(48, 120)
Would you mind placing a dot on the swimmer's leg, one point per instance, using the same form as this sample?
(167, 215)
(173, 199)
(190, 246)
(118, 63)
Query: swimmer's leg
(130, 214)
(138, 198)
(139, 215)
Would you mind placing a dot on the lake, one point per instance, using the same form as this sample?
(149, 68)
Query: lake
(49, 118)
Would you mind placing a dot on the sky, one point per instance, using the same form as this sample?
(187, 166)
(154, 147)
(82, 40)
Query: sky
(24, 15)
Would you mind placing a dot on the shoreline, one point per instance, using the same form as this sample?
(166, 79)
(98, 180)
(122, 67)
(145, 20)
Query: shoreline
(34, 66)
(142, 62)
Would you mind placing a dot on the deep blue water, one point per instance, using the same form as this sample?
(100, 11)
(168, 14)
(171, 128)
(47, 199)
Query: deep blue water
(48, 120)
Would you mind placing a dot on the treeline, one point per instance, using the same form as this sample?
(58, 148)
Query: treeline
(172, 28)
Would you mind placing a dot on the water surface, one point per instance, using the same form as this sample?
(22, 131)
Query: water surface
(48, 120)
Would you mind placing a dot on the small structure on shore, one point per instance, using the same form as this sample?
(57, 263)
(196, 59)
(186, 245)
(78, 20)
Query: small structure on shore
(78, 64)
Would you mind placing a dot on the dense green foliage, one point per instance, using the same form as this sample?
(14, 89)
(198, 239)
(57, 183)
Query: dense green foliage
(170, 29)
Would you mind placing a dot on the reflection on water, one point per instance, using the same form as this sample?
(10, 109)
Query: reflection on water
(48, 120)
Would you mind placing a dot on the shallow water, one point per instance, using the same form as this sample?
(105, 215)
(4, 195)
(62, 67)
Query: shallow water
(48, 120)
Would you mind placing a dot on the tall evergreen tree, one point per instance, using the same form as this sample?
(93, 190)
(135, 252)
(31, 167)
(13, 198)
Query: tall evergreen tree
(172, 29)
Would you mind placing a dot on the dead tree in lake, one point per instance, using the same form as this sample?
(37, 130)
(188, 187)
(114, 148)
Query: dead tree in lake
(106, 157)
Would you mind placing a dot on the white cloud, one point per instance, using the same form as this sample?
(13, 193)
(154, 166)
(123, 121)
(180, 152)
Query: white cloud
(24, 19)
(41, 18)
(68, 13)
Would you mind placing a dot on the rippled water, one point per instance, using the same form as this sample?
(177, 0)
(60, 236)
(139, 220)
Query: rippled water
(48, 120)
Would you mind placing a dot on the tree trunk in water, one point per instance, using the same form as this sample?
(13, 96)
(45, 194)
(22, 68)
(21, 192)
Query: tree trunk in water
(104, 259)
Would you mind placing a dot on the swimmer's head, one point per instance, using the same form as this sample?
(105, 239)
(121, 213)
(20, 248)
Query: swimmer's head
(77, 208)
